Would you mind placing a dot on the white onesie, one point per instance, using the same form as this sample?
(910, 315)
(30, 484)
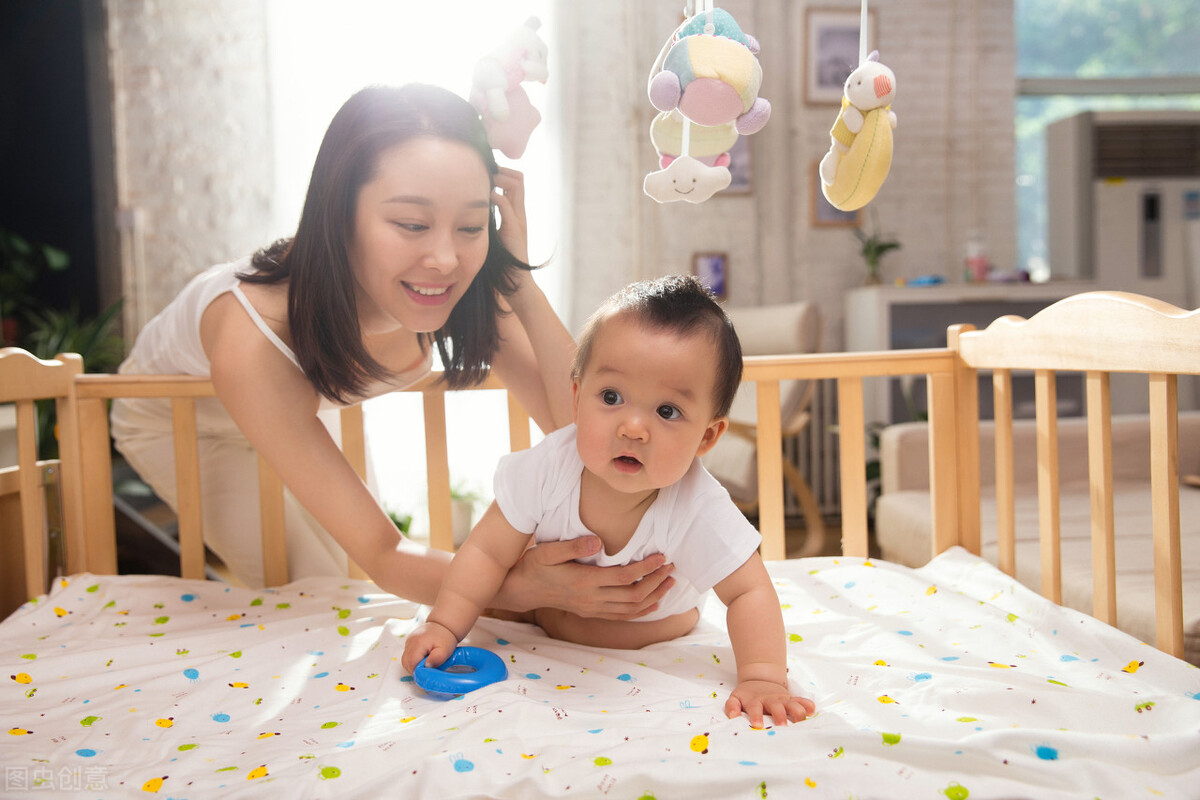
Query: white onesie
(692, 522)
(170, 344)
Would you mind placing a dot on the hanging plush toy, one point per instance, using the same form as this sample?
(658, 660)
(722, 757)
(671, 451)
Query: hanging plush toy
(508, 116)
(860, 149)
(705, 83)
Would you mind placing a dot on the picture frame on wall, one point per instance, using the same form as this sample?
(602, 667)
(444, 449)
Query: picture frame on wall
(713, 271)
(831, 37)
(824, 214)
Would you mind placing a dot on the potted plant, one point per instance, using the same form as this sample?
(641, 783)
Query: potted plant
(21, 264)
(874, 246)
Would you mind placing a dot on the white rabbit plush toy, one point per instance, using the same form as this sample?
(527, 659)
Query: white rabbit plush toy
(860, 150)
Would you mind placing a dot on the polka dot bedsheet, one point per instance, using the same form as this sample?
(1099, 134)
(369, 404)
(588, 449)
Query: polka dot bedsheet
(949, 681)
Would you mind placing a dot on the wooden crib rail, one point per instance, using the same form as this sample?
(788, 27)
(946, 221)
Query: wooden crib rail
(849, 369)
(1098, 334)
(94, 391)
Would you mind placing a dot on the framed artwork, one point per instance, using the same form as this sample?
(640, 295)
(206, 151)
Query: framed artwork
(823, 214)
(713, 271)
(831, 46)
(740, 167)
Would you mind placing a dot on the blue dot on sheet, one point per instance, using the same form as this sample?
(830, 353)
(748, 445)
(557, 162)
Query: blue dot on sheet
(86, 752)
(922, 676)
(321, 675)
(748, 763)
(462, 765)
(849, 585)
(187, 598)
(346, 744)
(502, 642)
(192, 674)
(533, 676)
(595, 730)
(624, 676)
(1068, 658)
(949, 658)
(905, 633)
(1045, 752)
(220, 717)
(364, 599)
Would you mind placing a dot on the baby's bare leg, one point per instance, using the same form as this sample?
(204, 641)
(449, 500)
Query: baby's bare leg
(617, 634)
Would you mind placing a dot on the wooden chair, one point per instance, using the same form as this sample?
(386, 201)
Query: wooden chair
(1097, 333)
(785, 329)
(24, 487)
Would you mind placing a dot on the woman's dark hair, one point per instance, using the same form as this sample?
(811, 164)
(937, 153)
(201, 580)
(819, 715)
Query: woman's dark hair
(322, 311)
(682, 305)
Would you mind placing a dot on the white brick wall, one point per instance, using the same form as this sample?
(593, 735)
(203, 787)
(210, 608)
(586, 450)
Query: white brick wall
(192, 141)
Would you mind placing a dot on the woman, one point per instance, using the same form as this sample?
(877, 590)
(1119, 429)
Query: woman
(397, 251)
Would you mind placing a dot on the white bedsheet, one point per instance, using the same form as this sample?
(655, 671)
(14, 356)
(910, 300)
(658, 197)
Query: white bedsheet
(950, 681)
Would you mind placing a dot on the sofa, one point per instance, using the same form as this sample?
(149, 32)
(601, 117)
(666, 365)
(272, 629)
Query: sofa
(903, 516)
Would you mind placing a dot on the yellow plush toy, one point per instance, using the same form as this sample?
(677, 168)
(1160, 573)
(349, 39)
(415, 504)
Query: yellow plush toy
(860, 150)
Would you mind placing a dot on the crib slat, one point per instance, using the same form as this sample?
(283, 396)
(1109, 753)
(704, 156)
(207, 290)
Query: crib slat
(187, 482)
(770, 472)
(1164, 493)
(96, 463)
(943, 454)
(274, 531)
(852, 432)
(354, 447)
(1100, 481)
(1006, 497)
(70, 479)
(437, 469)
(33, 513)
(1046, 401)
(965, 411)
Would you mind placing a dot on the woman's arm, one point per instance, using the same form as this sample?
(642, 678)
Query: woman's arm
(536, 350)
(276, 409)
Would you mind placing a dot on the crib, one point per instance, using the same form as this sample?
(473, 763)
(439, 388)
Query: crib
(952, 680)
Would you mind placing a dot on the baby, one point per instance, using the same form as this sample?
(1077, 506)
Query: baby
(654, 376)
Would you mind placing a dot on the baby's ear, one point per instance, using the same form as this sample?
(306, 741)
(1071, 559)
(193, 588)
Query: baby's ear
(711, 434)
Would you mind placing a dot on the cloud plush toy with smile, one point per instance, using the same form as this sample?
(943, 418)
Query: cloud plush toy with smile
(688, 179)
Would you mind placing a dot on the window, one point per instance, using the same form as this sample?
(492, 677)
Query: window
(1083, 55)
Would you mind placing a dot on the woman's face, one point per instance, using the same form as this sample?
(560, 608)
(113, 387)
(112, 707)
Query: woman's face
(420, 234)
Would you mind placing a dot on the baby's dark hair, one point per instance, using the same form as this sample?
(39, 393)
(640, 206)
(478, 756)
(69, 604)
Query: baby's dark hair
(682, 305)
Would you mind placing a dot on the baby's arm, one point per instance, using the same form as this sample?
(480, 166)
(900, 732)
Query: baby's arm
(475, 575)
(756, 632)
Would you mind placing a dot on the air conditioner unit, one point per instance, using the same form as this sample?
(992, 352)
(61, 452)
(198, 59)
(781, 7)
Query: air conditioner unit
(1123, 201)
(1123, 206)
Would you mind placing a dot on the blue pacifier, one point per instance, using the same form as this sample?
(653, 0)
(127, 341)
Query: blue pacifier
(467, 669)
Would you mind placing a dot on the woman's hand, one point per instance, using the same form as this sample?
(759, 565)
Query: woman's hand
(509, 198)
(547, 576)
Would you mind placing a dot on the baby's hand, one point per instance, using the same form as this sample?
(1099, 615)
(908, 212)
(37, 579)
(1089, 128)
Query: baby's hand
(755, 698)
(431, 641)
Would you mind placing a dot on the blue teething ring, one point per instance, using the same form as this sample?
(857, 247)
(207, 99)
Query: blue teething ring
(486, 667)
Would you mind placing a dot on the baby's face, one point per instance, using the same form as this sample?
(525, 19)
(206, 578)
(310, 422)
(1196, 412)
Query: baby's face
(644, 405)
